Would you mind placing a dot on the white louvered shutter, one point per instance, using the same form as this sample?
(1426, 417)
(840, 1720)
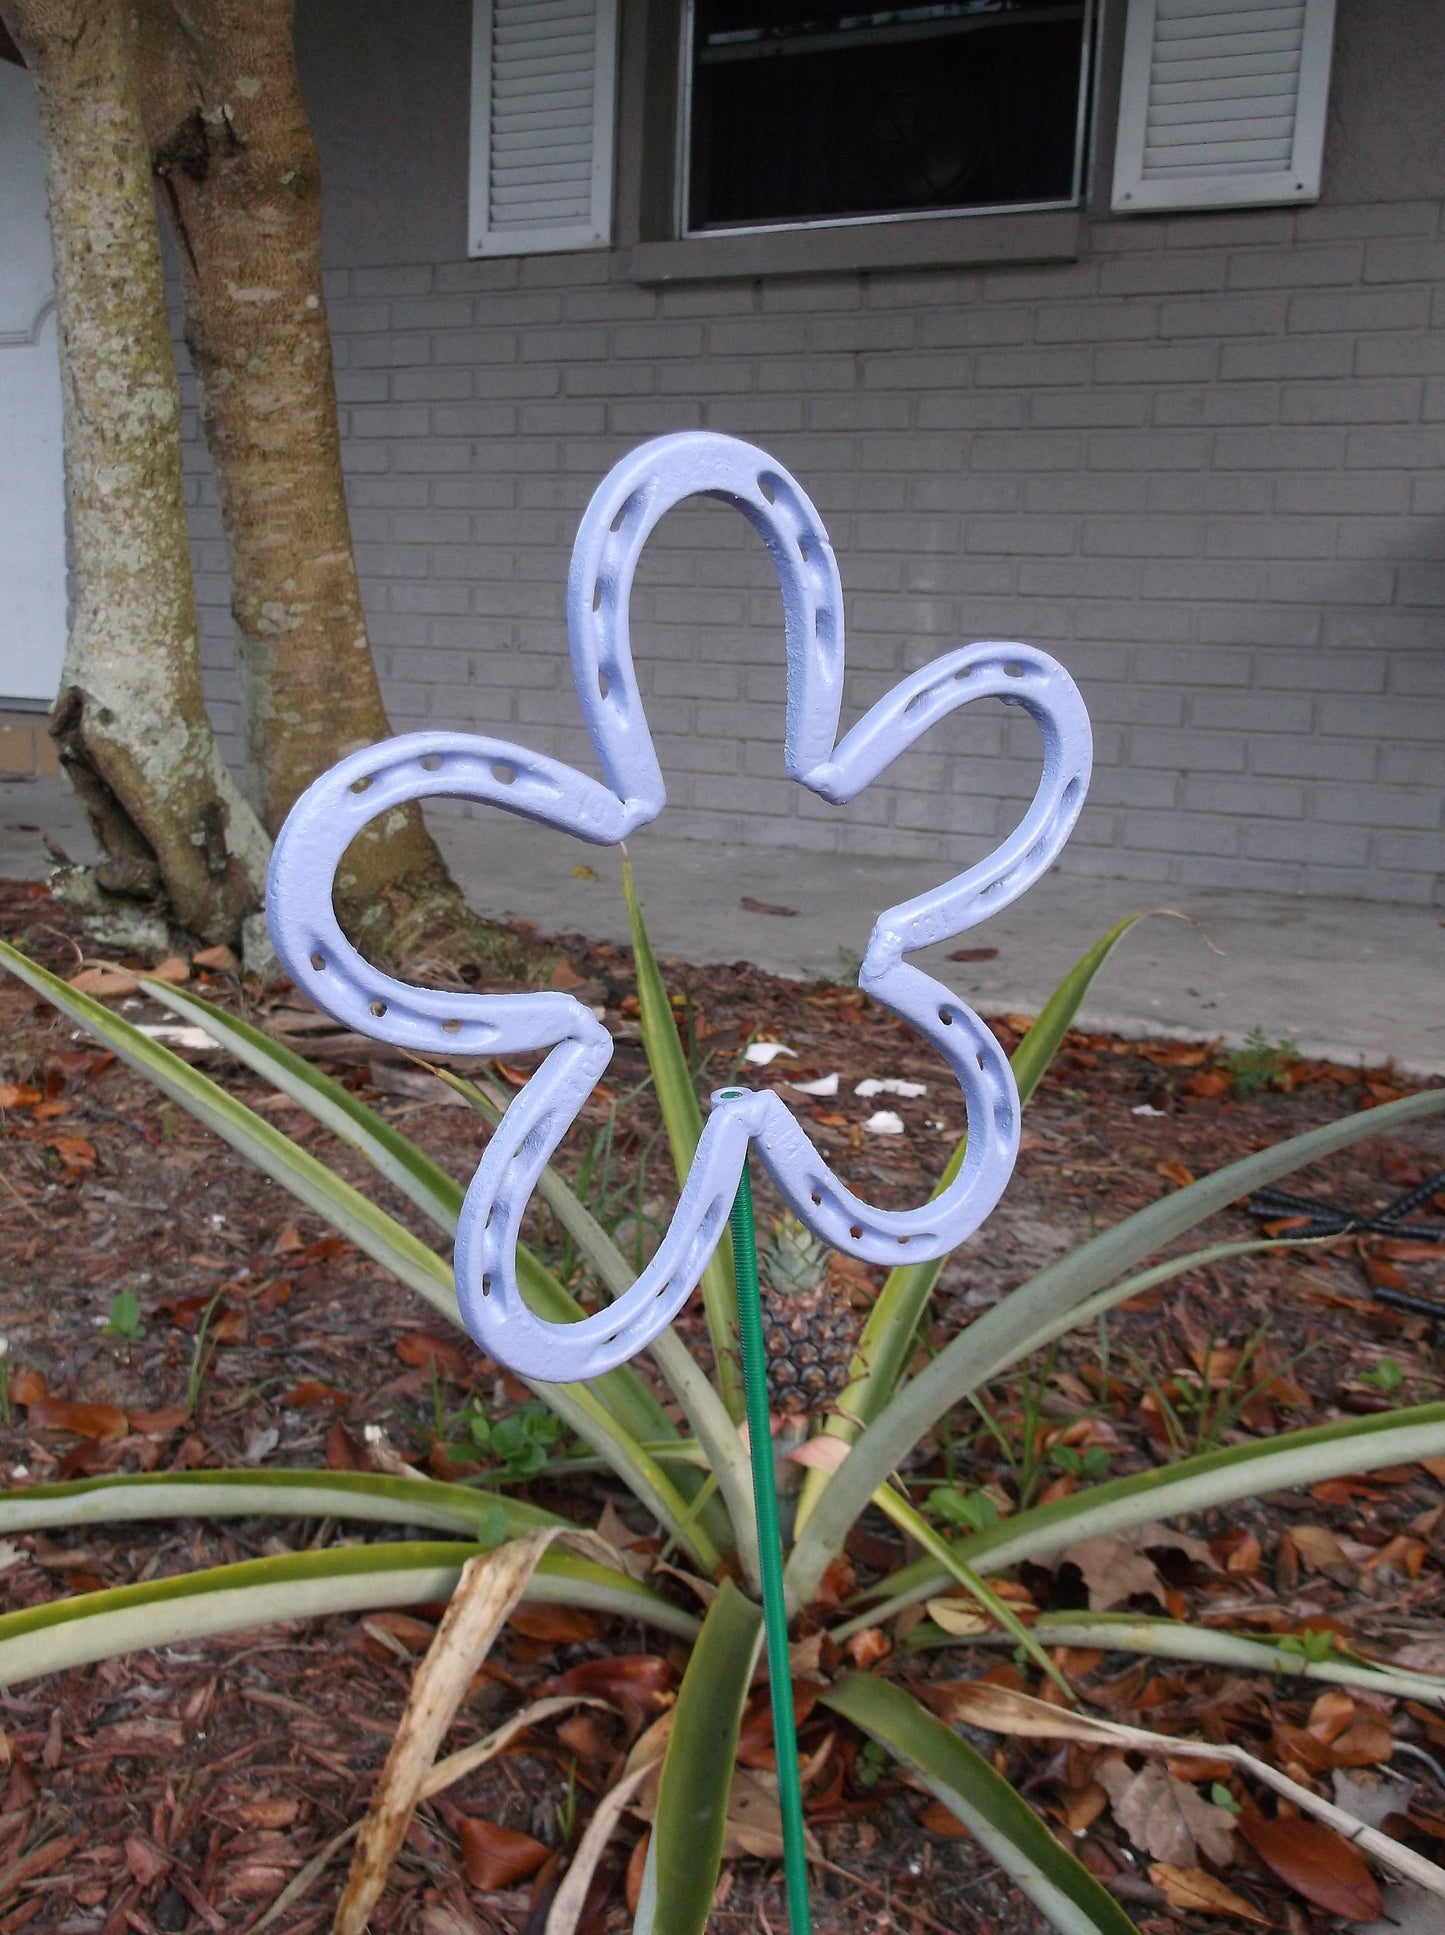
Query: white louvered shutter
(1222, 103)
(543, 93)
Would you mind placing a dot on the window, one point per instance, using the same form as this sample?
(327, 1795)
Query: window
(800, 111)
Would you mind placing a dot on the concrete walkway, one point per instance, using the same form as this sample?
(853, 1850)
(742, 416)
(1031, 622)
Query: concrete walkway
(1351, 980)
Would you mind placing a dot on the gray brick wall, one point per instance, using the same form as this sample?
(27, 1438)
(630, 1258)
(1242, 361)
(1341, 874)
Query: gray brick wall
(1202, 464)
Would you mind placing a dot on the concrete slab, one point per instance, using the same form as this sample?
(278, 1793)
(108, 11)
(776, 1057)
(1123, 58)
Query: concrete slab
(1351, 980)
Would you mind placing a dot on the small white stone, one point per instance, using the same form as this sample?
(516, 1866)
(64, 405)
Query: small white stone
(824, 1085)
(760, 1053)
(885, 1122)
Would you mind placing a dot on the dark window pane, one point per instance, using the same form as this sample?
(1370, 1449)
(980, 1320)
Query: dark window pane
(803, 112)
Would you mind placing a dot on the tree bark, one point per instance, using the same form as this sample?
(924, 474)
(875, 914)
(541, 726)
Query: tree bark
(234, 154)
(130, 720)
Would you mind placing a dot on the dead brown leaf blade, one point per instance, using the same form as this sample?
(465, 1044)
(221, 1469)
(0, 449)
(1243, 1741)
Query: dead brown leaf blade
(488, 1589)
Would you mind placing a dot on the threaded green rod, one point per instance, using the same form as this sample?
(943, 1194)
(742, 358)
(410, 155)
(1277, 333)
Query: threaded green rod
(770, 1553)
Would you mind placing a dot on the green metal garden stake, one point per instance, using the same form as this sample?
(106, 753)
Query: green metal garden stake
(770, 1553)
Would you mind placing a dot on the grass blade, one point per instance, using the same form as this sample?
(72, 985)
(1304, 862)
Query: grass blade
(1173, 1639)
(1031, 1058)
(273, 1492)
(1001, 1335)
(682, 1117)
(1061, 1887)
(1216, 1478)
(300, 1585)
(687, 1834)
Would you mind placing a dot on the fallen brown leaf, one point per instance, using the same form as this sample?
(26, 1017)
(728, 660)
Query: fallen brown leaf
(562, 1625)
(445, 1355)
(1164, 1816)
(639, 1685)
(497, 1857)
(99, 1421)
(1192, 1888)
(937, 1818)
(311, 1391)
(103, 982)
(1317, 1863)
(868, 1647)
(1209, 1083)
(170, 1417)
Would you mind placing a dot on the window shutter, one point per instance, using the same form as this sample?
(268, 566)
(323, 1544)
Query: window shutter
(543, 88)
(1222, 103)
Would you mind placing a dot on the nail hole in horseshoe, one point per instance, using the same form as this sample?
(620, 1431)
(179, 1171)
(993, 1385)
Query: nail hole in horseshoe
(855, 1230)
(597, 596)
(452, 1026)
(814, 1196)
(504, 774)
(945, 1015)
(1013, 670)
(360, 785)
(318, 961)
(804, 551)
(604, 685)
(620, 518)
(486, 1283)
(980, 1060)
(765, 485)
(964, 672)
(378, 1008)
(903, 1241)
(430, 762)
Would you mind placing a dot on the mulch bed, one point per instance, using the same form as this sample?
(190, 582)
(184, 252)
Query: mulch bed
(183, 1789)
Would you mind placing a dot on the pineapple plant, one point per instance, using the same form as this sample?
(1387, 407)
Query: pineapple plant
(809, 1326)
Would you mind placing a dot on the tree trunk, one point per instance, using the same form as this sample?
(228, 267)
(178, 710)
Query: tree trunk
(234, 155)
(130, 721)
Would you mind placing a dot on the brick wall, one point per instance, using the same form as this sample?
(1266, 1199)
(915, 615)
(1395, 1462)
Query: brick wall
(1202, 464)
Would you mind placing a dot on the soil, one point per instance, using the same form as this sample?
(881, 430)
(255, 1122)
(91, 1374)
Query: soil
(183, 1789)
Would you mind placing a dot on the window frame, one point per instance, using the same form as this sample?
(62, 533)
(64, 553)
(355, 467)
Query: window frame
(656, 255)
(1083, 124)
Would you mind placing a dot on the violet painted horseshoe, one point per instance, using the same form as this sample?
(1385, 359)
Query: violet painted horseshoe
(319, 959)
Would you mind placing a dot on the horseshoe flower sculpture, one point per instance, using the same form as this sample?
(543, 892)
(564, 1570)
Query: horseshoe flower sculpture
(319, 959)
